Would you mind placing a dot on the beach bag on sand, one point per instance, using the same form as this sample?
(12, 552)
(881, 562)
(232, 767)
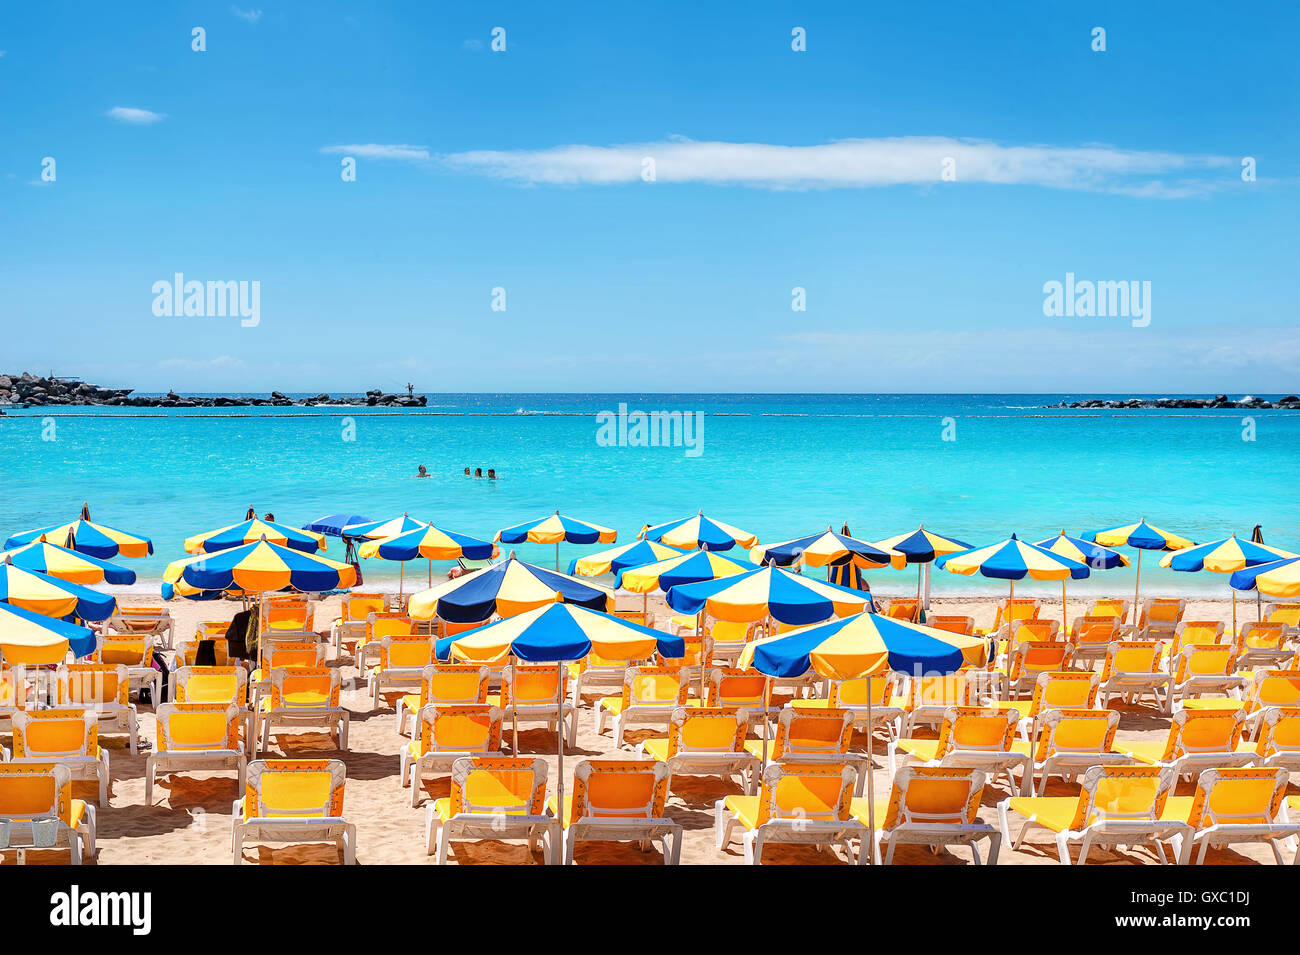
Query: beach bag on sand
(159, 663)
(241, 636)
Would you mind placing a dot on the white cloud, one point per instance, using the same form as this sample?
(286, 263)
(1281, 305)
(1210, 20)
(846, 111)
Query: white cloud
(400, 152)
(858, 164)
(250, 16)
(136, 117)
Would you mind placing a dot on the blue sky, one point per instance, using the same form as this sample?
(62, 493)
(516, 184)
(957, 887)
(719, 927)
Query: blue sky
(1121, 165)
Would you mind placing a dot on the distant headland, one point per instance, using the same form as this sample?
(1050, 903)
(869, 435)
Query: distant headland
(1249, 403)
(32, 390)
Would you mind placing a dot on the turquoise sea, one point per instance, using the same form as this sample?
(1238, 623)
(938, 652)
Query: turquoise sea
(780, 465)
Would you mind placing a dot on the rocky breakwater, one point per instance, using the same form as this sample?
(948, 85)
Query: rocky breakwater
(1249, 403)
(32, 390)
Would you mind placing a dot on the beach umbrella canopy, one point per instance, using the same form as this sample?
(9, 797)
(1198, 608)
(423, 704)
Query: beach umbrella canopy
(429, 543)
(922, 546)
(827, 549)
(65, 564)
(377, 530)
(559, 632)
(696, 531)
(1223, 557)
(1085, 552)
(1281, 578)
(612, 561)
(1014, 559)
(508, 588)
(555, 529)
(332, 524)
(1142, 536)
(689, 568)
(250, 532)
(43, 594)
(86, 537)
(259, 567)
(863, 645)
(37, 640)
(768, 592)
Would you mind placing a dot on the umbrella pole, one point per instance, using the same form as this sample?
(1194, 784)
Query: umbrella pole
(1011, 638)
(699, 624)
(559, 741)
(1259, 607)
(767, 690)
(1137, 586)
(870, 847)
(1065, 620)
(401, 579)
(430, 571)
(557, 555)
(1234, 612)
(514, 725)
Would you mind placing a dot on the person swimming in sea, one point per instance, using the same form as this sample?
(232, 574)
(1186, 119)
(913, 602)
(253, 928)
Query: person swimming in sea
(269, 518)
(478, 472)
(492, 474)
(422, 472)
(467, 472)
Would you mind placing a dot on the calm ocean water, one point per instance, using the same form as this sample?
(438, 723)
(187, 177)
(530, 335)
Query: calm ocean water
(779, 465)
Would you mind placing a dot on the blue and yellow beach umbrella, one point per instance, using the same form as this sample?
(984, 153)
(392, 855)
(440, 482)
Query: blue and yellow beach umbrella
(922, 547)
(252, 531)
(556, 529)
(43, 594)
(696, 531)
(1142, 536)
(258, 568)
(616, 559)
(380, 530)
(768, 592)
(1225, 557)
(33, 639)
(507, 589)
(558, 633)
(827, 549)
(858, 647)
(690, 568)
(430, 543)
(1085, 552)
(65, 564)
(1281, 578)
(1013, 559)
(86, 537)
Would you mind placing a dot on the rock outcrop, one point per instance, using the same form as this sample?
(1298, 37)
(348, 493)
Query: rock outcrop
(1249, 403)
(33, 390)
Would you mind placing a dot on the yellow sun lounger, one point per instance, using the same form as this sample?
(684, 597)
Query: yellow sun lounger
(903, 608)
(273, 655)
(195, 736)
(705, 741)
(619, 800)
(852, 695)
(1160, 616)
(746, 690)
(153, 619)
(104, 688)
(813, 736)
(446, 734)
(932, 806)
(17, 692)
(594, 670)
(1092, 636)
(69, 737)
(529, 695)
(1072, 741)
(1109, 607)
(135, 652)
(220, 684)
(1204, 668)
(351, 623)
(952, 623)
(928, 698)
(37, 811)
(1278, 744)
(800, 804)
(1053, 690)
(1192, 631)
(493, 797)
(1264, 645)
(1233, 806)
(293, 801)
(1132, 670)
(1287, 614)
(650, 694)
(379, 624)
(305, 696)
(402, 659)
(445, 684)
(1198, 740)
(1033, 658)
(1117, 805)
(971, 737)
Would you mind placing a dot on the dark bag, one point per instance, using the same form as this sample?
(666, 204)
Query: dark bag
(237, 640)
(146, 694)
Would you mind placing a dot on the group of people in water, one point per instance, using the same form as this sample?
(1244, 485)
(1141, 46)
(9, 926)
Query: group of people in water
(478, 473)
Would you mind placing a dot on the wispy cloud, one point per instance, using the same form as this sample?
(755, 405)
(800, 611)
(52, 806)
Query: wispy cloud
(136, 117)
(858, 164)
(399, 152)
(249, 16)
